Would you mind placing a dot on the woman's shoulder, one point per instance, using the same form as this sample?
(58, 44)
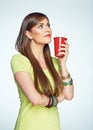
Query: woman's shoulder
(56, 63)
(19, 56)
(20, 62)
(55, 60)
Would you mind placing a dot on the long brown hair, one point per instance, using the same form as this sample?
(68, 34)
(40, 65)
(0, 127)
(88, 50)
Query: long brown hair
(23, 46)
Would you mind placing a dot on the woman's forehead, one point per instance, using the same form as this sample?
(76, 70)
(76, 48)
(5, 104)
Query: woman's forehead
(44, 20)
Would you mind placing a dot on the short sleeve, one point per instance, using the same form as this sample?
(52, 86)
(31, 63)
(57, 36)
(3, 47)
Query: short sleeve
(20, 63)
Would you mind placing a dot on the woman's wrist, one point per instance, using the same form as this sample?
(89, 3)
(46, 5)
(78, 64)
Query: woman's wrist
(66, 76)
(67, 80)
(67, 83)
(53, 101)
(60, 97)
(64, 72)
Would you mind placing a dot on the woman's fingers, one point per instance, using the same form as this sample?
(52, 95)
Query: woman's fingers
(63, 50)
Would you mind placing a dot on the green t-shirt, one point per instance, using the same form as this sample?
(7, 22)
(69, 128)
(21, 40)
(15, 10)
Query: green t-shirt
(32, 117)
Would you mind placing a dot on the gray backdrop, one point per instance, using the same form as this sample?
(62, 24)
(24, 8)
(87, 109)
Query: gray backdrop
(70, 18)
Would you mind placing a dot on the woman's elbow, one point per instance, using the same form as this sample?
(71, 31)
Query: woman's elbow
(69, 97)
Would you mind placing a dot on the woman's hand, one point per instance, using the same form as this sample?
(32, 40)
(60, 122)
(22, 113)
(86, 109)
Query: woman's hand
(60, 97)
(64, 50)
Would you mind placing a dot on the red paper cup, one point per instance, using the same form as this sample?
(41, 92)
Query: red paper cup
(58, 41)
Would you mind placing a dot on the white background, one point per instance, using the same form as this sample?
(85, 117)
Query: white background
(70, 18)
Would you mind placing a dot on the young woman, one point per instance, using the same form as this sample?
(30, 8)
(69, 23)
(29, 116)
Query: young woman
(43, 81)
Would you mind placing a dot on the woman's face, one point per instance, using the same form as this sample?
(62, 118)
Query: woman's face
(41, 33)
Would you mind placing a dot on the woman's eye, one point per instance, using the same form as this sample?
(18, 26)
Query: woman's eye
(48, 25)
(40, 26)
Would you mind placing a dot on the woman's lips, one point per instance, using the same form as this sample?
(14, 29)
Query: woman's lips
(48, 35)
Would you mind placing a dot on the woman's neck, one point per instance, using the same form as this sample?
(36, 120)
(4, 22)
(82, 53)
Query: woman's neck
(37, 50)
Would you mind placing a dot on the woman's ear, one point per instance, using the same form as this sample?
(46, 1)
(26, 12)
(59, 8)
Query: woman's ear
(28, 34)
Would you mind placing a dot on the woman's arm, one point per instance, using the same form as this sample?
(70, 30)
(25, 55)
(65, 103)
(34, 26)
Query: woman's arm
(68, 90)
(26, 83)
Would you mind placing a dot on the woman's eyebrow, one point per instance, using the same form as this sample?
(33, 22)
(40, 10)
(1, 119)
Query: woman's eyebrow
(43, 23)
